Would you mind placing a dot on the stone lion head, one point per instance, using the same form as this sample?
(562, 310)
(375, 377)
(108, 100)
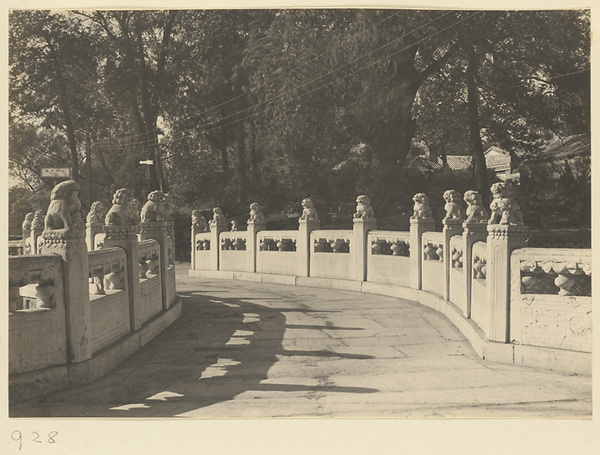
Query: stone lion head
(451, 196)
(363, 199)
(472, 197)
(421, 198)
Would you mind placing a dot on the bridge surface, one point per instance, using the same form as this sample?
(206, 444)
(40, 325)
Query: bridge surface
(245, 349)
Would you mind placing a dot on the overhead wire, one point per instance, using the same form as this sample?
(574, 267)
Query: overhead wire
(262, 85)
(281, 95)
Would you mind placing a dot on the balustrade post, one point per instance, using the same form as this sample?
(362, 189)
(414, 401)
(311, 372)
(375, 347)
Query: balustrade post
(506, 232)
(217, 225)
(303, 246)
(501, 242)
(472, 233)
(417, 227)
(26, 226)
(158, 230)
(64, 235)
(91, 230)
(37, 228)
(364, 221)
(254, 226)
(451, 228)
(125, 237)
(308, 222)
(94, 224)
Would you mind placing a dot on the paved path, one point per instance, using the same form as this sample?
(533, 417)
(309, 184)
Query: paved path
(244, 349)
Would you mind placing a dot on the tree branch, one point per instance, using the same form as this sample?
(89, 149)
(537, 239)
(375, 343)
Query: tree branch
(439, 63)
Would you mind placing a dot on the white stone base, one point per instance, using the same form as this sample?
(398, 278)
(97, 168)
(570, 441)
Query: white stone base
(35, 383)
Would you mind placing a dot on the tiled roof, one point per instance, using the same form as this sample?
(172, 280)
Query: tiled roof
(455, 162)
(562, 149)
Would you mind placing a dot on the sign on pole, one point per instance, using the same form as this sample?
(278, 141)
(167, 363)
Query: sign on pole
(56, 172)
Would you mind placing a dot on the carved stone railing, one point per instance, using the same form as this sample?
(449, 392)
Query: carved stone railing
(107, 270)
(569, 276)
(388, 257)
(390, 243)
(277, 240)
(479, 266)
(233, 241)
(456, 252)
(202, 242)
(433, 246)
(331, 241)
(34, 282)
(149, 257)
(551, 303)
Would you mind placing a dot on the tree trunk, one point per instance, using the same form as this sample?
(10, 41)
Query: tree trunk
(476, 146)
(399, 137)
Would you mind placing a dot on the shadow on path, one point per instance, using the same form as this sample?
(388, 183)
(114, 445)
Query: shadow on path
(218, 349)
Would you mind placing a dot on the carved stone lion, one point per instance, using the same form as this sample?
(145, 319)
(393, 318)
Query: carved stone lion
(421, 209)
(96, 214)
(475, 211)
(309, 212)
(38, 220)
(256, 213)
(27, 221)
(504, 208)
(63, 212)
(121, 213)
(363, 207)
(234, 226)
(153, 209)
(218, 217)
(453, 207)
(198, 221)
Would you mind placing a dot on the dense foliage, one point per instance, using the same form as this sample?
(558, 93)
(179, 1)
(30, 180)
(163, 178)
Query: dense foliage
(233, 106)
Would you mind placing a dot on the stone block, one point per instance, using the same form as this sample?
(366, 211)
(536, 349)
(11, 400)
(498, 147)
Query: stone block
(39, 382)
(554, 359)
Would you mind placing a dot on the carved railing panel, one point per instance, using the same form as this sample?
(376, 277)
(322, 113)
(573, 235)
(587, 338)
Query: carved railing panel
(555, 276)
(277, 240)
(202, 242)
(107, 270)
(456, 252)
(35, 282)
(233, 241)
(390, 243)
(149, 257)
(479, 261)
(433, 246)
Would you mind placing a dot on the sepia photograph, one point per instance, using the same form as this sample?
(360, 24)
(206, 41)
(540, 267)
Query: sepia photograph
(317, 213)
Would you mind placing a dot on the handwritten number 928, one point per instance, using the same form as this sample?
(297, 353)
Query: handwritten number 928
(17, 436)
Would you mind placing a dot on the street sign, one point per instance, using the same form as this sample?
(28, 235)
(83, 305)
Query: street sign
(148, 162)
(56, 172)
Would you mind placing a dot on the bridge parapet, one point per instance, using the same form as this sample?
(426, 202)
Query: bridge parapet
(465, 271)
(73, 313)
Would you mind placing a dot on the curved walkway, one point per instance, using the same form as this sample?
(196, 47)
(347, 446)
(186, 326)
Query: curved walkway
(244, 349)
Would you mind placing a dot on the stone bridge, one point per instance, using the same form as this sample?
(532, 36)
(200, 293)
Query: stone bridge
(464, 322)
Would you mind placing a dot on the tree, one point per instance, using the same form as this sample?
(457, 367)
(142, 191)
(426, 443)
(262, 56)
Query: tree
(50, 68)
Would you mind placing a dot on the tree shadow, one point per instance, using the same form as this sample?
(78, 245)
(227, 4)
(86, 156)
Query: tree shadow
(218, 349)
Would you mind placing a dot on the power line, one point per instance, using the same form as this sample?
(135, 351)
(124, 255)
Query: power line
(281, 95)
(175, 138)
(265, 83)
